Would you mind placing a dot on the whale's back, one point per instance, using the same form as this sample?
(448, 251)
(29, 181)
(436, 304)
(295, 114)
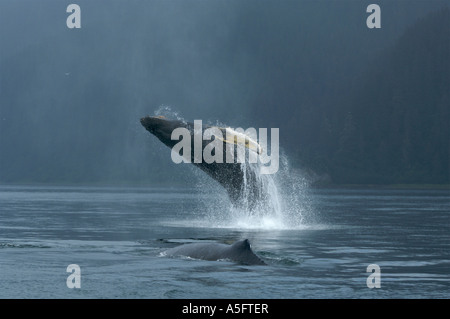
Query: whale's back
(239, 252)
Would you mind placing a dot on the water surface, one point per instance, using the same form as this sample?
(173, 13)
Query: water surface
(116, 236)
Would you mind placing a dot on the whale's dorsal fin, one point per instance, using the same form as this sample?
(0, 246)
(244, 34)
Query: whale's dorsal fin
(242, 245)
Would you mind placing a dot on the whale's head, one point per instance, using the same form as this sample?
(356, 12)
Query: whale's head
(161, 127)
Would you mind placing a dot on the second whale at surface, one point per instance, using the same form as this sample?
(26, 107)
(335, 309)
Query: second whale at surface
(239, 252)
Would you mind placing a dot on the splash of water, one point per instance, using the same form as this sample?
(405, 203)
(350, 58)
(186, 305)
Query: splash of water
(283, 201)
(167, 112)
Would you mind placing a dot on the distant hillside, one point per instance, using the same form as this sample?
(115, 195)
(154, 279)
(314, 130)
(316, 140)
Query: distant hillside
(393, 126)
(354, 105)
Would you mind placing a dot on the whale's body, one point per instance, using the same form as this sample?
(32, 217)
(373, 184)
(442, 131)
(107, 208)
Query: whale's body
(242, 183)
(239, 252)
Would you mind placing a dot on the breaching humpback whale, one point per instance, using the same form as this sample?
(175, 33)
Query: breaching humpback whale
(239, 252)
(244, 185)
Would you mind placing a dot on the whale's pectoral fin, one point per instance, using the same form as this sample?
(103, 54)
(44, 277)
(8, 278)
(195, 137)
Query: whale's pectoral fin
(240, 139)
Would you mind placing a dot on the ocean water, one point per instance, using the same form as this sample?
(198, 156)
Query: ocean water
(116, 236)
